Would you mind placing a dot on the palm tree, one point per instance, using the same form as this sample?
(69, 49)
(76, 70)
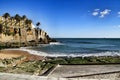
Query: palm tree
(38, 24)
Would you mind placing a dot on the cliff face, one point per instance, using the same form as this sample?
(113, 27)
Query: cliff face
(21, 31)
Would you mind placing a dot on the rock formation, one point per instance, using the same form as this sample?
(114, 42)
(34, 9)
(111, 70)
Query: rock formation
(19, 30)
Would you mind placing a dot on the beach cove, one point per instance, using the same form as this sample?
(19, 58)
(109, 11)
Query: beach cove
(69, 58)
(28, 64)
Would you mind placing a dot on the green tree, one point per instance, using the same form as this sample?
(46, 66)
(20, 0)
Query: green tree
(28, 24)
(6, 15)
(28, 21)
(24, 17)
(17, 17)
(38, 24)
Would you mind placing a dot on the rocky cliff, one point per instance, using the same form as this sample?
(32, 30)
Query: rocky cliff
(17, 30)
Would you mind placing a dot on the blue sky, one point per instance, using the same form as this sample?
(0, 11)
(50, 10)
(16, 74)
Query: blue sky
(70, 18)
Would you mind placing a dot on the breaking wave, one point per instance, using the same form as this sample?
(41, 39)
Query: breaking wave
(55, 43)
(77, 47)
(40, 53)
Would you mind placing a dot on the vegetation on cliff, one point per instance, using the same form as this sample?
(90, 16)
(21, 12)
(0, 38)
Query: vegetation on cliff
(10, 25)
(19, 31)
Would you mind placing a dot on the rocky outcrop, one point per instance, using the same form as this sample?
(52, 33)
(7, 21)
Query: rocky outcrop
(20, 30)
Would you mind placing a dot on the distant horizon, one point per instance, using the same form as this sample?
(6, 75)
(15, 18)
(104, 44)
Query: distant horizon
(73, 18)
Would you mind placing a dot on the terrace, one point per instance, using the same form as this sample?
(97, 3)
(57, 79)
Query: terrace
(85, 71)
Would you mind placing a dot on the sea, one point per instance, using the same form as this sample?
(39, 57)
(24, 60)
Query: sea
(73, 47)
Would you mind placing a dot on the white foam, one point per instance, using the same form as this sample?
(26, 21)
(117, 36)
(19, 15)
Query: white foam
(29, 51)
(71, 55)
(55, 43)
(40, 53)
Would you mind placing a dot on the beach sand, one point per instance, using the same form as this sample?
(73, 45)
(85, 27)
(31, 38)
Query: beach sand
(9, 54)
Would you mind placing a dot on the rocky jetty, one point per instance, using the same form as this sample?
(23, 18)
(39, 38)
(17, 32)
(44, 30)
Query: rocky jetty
(17, 31)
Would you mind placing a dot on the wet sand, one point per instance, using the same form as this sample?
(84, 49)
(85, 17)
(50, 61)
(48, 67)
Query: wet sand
(9, 54)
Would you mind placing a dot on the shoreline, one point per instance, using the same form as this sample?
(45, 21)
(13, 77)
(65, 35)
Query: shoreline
(22, 62)
(23, 51)
(64, 60)
(40, 53)
(15, 53)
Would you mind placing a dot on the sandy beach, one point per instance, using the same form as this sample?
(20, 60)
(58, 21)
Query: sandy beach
(8, 54)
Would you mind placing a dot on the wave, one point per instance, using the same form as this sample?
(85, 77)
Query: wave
(40, 53)
(86, 55)
(55, 43)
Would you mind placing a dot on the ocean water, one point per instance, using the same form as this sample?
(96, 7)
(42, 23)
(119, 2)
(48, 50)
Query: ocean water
(80, 47)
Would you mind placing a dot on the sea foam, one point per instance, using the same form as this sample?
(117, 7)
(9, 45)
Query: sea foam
(56, 43)
(40, 53)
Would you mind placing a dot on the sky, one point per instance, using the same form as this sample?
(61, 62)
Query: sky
(70, 18)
